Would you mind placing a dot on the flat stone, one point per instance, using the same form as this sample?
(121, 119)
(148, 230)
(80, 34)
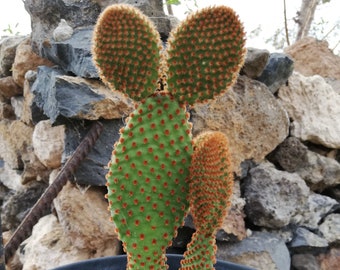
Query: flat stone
(274, 198)
(251, 118)
(62, 96)
(314, 108)
(305, 262)
(307, 241)
(262, 250)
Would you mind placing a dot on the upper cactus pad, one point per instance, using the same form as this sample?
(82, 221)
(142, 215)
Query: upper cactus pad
(126, 51)
(205, 54)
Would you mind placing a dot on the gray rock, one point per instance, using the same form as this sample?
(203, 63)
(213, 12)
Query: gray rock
(315, 209)
(274, 198)
(74, 54)
(63, 31)
(277, 71)
(93, 169)
(255, 62)
(305, 262)
(15, 208)
(61, 96)
(307, 241)
(262, 250)
(318, 171)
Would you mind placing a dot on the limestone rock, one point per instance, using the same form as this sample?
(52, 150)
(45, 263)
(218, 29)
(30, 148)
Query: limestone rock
(274, 198)
(314, 108)
(254, 122)
(63, 96)
(330, 228)
(17, 104)
(93, 169)
(85, 220)
(277, 71)
(8, 48)
(8, 88)
(48, 247)
(63, 31)
(15, 140)
(26, 60)
(48, 143)
(255, 62)
(10, 178)
(262, 250)
(74, 54)
(313, 57)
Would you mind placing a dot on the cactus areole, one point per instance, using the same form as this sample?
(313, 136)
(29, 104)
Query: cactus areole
(148, 176)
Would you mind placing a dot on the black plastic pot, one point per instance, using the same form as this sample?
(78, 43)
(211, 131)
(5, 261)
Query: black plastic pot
(119, 263)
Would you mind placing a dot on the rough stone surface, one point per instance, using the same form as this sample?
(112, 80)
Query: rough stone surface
(10, 178)
(254, 122)
(262, 250)
(48, 153)
(314, 108)
(255, 62)
(73, 55)
(305, 240)
(277, 71)
(62, 96)
(26, 59)
(316, 208)
(305, 262)
(329, 260)
(93, 169)
(312, 57)
(8, 46)
(16, 207)
(15, 140)
(274, 198)
(83, 214)
(318, 171)
(8, 88)
(330, 228)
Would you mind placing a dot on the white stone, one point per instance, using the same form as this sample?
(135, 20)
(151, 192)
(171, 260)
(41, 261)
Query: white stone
(63, 31)
(314, 107)
(330, 228)
(48, 143)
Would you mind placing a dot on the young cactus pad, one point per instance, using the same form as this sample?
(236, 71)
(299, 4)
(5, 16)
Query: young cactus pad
(210, 189)
(126, 51)
(147, 179)
(205, 54)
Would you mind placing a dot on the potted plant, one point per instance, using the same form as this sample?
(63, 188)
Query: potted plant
(157, 171)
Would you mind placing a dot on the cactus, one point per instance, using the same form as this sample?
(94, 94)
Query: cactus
(148, 173)
(210, 189)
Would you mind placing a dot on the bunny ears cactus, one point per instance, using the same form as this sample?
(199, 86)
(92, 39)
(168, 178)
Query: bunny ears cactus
(148, 178)
(202, 60)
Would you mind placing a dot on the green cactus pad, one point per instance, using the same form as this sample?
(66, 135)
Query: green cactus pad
(205, 54)
(126, 51)
(210, 190)
(147, 179)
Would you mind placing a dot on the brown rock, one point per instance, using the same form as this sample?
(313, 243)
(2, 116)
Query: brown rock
(26, 59)
(331, 260)
(255, 62)
(86, 221)
(8, 88)
(15, 140)
(250, 116)
(6, 111)
(312, 56)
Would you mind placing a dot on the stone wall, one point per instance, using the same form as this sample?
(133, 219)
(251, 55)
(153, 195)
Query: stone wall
(282, 119)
